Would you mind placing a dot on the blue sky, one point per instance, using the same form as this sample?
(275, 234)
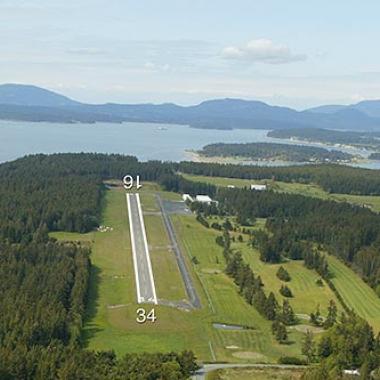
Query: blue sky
(296, 53)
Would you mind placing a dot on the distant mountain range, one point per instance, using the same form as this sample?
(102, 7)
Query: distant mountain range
(31, 103)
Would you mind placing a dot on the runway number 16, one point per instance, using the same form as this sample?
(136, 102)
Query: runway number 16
(129, 181)
(143, 316)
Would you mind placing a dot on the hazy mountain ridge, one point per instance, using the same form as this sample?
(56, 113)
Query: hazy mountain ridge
(28, 95)
(31, 103)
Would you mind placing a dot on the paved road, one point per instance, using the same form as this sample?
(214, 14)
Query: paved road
(202, 372)
(190, 290)
(146, 291)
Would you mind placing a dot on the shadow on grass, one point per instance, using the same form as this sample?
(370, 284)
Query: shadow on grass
(90, 329)
(288, 343)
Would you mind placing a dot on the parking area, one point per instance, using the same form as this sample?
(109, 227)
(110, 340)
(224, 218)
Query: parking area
(176, 207)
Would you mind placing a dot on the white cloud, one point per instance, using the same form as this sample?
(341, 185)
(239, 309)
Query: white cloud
(262, 50)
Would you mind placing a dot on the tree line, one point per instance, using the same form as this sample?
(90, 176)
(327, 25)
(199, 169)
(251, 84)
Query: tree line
(251, 288)
(273, 151)
(349, 344)
(349, 232)
(332, 178)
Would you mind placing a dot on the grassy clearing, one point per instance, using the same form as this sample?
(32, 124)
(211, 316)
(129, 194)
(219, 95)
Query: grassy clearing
(309, 190)
(370, 201)
(307, 294)
(111, 313)
(220, 181)
(355, 292)
(255, 373)
(168, 280)
(148, 202)
(226, 305)
(73, 236)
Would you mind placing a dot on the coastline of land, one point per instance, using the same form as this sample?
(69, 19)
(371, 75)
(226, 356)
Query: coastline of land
(194, 156)
(271, 154)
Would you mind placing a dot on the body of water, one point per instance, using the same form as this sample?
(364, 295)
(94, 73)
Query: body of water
(146, 141)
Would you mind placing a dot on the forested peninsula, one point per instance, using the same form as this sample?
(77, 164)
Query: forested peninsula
(275, 152)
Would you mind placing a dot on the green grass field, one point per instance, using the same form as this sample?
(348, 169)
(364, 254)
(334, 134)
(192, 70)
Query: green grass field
(111, 313)
(307, 294)
(73, 236)
(226, 305)
(355, 292)
(295, 188)
(111, 319)
(168, 280)
(255, 374)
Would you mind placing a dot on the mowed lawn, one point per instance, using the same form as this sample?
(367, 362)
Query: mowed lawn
(111, 312)
(309, 190)
(307, 295)
(73, 236)
(256, 374)
(355, 292)
(225, 303)
(167, 277)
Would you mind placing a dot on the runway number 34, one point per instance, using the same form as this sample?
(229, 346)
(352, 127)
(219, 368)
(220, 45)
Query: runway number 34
(143, 316)
(129, 182)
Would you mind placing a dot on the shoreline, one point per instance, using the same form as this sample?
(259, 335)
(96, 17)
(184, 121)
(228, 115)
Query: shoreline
(337, 146)
(194, 156)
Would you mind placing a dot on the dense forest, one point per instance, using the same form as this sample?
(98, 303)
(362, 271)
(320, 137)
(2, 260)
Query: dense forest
(272, 151)
(349, 344)
(332, 178)
(60, 192)
(359, 139)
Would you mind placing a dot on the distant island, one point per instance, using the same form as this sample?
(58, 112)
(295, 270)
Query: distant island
(31, 103)
(366, 140)
(274, 152)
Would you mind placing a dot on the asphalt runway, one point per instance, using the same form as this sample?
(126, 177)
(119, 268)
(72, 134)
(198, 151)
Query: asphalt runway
(146, 291)
(178, 207)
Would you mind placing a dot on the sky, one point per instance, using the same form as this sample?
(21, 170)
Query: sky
(292, 53)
